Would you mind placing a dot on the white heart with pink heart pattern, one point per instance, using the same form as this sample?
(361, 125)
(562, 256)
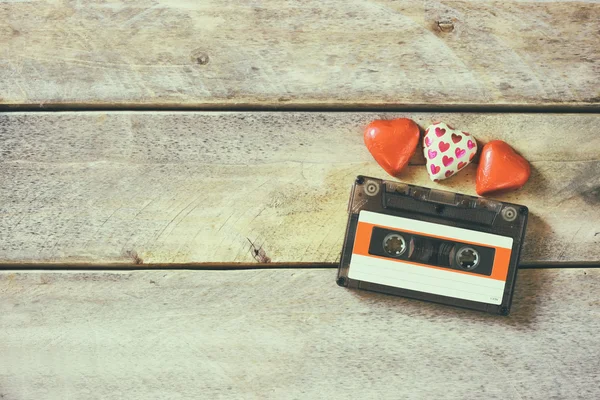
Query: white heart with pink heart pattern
(447, 150)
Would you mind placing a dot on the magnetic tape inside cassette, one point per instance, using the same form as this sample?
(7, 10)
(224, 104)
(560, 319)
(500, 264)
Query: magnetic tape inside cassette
(432, 245)
(403, 245)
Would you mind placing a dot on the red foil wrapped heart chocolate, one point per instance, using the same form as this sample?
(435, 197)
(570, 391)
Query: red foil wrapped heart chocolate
(447, 150)
(392, 143)
(500, 169)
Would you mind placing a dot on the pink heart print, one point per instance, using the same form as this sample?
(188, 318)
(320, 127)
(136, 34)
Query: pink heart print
(444, 146)
(456, 150)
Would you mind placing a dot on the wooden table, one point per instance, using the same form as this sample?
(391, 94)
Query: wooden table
(142, 143)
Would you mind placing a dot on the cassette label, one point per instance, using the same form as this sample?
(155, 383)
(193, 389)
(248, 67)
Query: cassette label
(428, 277)
(432, 245)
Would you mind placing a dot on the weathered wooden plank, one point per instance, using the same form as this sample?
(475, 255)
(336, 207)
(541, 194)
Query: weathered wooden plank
(289, 334)
(366, 52)
(192, 187)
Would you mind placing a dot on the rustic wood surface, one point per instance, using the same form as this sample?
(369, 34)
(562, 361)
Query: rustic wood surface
(366, 52)
(289, 334)
(100, 188)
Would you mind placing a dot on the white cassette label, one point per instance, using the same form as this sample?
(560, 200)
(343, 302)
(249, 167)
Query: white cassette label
(423, 278)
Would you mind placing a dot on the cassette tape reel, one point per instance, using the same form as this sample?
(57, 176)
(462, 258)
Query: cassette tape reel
(432, 245)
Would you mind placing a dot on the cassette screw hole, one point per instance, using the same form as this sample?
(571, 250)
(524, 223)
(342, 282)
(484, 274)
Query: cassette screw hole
(509, 214)
(341, 281)
(360, 180)
(504, 311)
(371, 188)
(467, 258)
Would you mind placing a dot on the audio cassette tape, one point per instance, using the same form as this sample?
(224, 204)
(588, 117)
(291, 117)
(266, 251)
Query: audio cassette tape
(432, 245)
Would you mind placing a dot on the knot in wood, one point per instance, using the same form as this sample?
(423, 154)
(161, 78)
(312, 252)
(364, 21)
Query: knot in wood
(445, 26)
(202, 59)
(199, 57)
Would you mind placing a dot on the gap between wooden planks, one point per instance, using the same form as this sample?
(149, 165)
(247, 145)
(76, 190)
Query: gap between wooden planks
(191, 187)
(289, 334)
(363, 52)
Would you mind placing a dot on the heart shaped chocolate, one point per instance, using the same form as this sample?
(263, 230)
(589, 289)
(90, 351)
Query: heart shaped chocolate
(447, 150)
(392, 143)
(500, 169)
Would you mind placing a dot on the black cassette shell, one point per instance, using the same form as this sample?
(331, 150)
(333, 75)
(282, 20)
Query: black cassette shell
(445, 209)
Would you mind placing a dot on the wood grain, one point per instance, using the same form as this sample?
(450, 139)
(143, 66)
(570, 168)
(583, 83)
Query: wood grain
(273, 53)
(99, 188)
(289, 334)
